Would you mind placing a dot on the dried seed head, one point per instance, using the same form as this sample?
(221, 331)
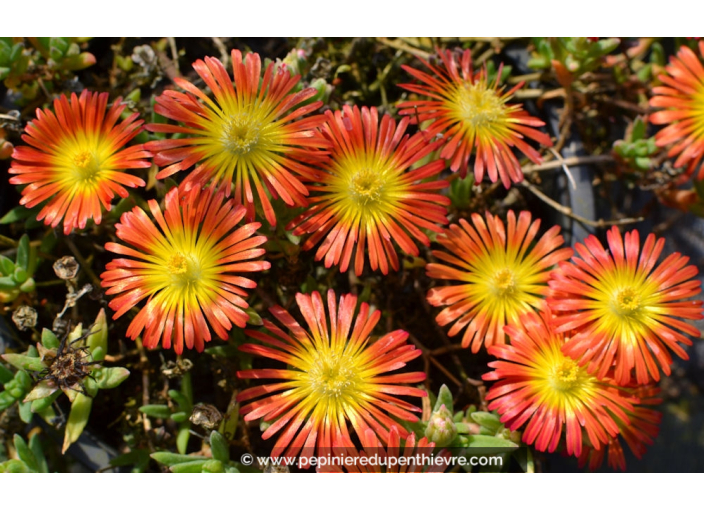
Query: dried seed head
(66, 268)
(206, 416)
(25, 317)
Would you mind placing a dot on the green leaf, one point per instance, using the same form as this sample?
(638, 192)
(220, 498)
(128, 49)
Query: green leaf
(49, 339)
(181, 400)
(488, 420)
(219, 447)
(77, 420)
(7, 267)
(108, 378)
(14, 466)
(213, 466)
(184, 434)
(488, 442)
(42, 403)
(99, 336)
(156, 411)
(25, 409)
(638, 131)
(23, 252)
(171, 459)
(36, 446)
(25, 454)
(7, 283)
(18, 213)
(444, 397)
(5, 375)
(180, 417)
(190, 467)
(24, 362)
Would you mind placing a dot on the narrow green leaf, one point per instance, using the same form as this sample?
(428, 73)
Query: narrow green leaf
(25, 454)
(23, 252)
(156, 411)
(18, 213)
(77, 420)
(35, 445)
(24, 362)
(49, 339)
(108, 378)
(219, 447)
(444, 397)
(99, 336)
(189, 467)
(25, 409)
(184, 434)
(171, 459)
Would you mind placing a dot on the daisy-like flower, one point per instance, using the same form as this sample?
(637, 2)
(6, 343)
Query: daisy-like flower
(501, 276)
(539, 385)
(621, 308)
(76, 159)
(335, 376)
(473, 115)
(638, 434)
(392, 459)
(368, 196)
(188, 265)
(682, 96)
(250, 135)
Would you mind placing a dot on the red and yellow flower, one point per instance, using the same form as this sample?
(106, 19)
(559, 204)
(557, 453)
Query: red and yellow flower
(336, 375)
(638, 434)
(76, 159)
(368, 196)
(501, 276)
(251, 135)
(392, 459)
(188, 265)
(623, 310)
(538, 385)
(682, 96)
(472, 114)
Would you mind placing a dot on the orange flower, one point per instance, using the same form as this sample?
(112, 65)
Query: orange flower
(472, 113)
(541, 386)
(638, 434)
(76, 159)
(335, 376)
(250, 134)
(683, 97)
(621, 309)
(501, 276)
(369, 196)
(188, 268)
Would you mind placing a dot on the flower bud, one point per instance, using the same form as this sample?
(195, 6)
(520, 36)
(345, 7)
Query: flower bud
(441, 428)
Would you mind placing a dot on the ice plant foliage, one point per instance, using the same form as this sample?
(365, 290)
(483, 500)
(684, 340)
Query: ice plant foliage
(539, 385)
(336, 375)
(682, 96)
(76, 159)
(622, 309)
(473, 115)
(187, 265)
(250, 135)
(368, 195)
(501, 276)
(638, 434)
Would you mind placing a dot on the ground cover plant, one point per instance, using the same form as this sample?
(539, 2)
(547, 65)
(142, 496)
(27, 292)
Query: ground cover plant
(219, 253)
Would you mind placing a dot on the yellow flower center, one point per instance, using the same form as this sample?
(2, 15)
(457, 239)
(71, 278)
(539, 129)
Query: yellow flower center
(504, 282)
(479, 105)
(564, 375)
(626, 302)
(86, 165)
(366, 186)
(240, 134)
(183, 269)
(332, 376)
